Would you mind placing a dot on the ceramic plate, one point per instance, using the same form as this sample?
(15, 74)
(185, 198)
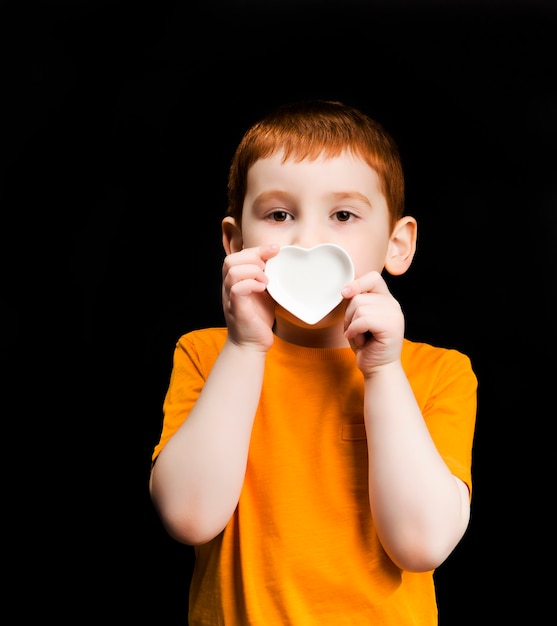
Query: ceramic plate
(307, 281)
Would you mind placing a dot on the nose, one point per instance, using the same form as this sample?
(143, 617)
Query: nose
(308, 234)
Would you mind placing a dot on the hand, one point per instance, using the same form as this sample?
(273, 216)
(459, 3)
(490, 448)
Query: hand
(248, 308)
(373, 322)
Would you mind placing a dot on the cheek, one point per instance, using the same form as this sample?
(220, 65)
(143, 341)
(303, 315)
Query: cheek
(261, 236)
(367, 260)
(250, 236)
(254, 241)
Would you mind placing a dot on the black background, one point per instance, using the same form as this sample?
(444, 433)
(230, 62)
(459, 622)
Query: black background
(121, 121)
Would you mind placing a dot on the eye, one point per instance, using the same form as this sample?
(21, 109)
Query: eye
(279, 216)
(343, 216)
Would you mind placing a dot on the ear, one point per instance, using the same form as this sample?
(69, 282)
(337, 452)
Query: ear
(231, 235)
(402, 246)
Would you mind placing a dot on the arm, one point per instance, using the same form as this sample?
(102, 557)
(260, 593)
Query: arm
(421, 510)
(198, 476)
(197, 479)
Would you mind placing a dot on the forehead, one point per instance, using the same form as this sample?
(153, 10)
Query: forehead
(344, 171)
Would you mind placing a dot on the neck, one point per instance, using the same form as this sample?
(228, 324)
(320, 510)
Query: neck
(324, 334)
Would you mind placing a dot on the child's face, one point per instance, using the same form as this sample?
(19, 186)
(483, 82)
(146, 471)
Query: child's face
(336, 200)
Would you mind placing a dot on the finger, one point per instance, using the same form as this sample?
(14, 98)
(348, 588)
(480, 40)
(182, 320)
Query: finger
(246, 271)
(269, 251)
(370, 282)
(250, 260)
(257, 255)
(360, 326)
(247, 287)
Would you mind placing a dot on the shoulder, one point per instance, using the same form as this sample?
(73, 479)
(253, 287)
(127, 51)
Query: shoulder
(204, 338)
(416, 351)
(200, 346)
(423, 360)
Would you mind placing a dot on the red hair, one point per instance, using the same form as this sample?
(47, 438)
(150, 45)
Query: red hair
(307, 130)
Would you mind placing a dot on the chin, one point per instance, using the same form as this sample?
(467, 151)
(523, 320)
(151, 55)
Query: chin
(336, 316)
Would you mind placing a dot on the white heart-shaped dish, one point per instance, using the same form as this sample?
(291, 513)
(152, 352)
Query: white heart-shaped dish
(307, 281)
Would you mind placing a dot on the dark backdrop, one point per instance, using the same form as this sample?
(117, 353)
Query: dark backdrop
(121, 121)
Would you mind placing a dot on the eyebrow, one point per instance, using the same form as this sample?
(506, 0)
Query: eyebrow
(337, 196)
(351, 195)
(273, 193)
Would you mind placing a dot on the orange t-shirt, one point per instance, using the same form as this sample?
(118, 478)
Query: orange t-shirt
(301, 547)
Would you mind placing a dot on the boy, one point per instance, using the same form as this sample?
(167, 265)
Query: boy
(323, 471)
